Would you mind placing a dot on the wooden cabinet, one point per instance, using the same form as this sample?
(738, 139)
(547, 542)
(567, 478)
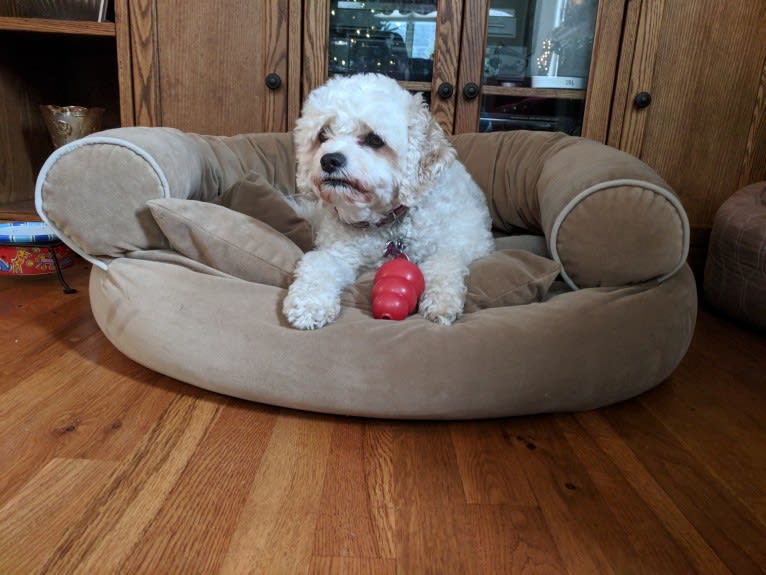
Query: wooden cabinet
(443, 61)
(240, 66)
(216, 67)
(699, 67)
(703, 63)
(458, 94)
(591, 102)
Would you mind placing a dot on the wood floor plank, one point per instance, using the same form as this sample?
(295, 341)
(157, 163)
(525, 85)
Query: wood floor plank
(106, 466)
(758, 507)
(275, 531)
(118, 422)
(34, 349)
(739, 350)
(513, 539)
(645, 534)
(97, 414)
(489, 466)
(696, 549)
(436, 538)
(34, 520)
(27, 438)
(723, 424)
(113, 524)
(379, 484)
(47, 382)
(191, 532)
(22, 313)
(730, 529)
(351, 566)
(49, 375)
(733, 359)
(425, 465)
(431, 511)
(580, 522)
(346, 525)
(24, 298)
(729, 441)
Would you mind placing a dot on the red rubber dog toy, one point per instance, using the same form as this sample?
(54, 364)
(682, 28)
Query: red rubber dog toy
(396, 289)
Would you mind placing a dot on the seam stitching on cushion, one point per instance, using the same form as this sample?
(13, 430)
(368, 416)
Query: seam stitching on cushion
(668, 195)
(60, 153)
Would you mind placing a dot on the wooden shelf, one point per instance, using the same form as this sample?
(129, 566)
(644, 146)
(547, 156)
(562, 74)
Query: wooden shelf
(21, 211)
(558, 93)
(54, 61)
(416, 86)
(77, 27)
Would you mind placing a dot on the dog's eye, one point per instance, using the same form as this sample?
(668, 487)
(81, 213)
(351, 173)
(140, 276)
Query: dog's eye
(322, 136)
(373, 141)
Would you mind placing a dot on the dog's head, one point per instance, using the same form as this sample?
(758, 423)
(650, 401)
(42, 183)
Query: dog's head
(365, 146)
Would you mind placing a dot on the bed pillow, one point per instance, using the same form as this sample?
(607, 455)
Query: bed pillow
(257, 198)
(227, 240)
(508, 277)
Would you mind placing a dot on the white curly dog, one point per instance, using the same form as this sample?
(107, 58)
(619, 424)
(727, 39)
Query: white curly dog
(381, 177)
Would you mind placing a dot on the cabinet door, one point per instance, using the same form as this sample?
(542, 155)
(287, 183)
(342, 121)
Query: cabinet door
(415, 41)
(214, 67)
(483, 64)
(690, 96)
(538, 64)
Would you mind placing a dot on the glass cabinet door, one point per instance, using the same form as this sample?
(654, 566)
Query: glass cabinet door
(491, 65)
(397, 39)
(415, 41)
(536, 64)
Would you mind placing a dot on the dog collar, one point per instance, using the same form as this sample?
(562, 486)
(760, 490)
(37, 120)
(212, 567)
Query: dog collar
(392, 216)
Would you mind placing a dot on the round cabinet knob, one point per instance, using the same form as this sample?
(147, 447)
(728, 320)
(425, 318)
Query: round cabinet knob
(643, 99)
(470, 91)
(273, 81)
(445, 90)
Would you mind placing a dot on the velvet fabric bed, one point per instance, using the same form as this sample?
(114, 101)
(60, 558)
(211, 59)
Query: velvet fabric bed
(588, 300)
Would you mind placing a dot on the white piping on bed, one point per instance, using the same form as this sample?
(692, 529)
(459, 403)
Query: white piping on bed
(668, 195)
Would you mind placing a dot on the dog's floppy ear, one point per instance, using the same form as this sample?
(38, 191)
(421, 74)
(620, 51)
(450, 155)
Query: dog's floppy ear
(428, 151)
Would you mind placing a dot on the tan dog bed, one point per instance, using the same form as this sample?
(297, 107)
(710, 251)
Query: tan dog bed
(587, 302)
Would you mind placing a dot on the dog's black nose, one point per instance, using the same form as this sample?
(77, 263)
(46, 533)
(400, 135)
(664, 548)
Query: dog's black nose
(332, 162)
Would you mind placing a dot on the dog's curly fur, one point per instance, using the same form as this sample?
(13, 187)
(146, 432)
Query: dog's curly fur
(364, 147)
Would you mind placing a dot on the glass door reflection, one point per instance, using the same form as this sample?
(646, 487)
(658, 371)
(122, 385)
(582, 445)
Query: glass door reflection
(536, 64)
(393, 38)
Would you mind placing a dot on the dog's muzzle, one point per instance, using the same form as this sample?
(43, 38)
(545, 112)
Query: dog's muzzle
(335, 178)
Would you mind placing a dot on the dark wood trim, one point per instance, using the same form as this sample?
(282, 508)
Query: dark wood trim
(448, 35)
(124, 67)
(472, 49)
(603, 69)
(145, 63)
(48, 26)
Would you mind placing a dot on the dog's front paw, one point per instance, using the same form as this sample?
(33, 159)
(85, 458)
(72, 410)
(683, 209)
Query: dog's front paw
(440, 307)
(310, 309)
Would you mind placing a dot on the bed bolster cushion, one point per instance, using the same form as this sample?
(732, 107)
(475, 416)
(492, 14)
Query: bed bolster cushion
(608, 218)
(93, 192)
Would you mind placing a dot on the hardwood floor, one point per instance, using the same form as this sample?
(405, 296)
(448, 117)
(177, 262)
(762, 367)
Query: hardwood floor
(107, 467)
